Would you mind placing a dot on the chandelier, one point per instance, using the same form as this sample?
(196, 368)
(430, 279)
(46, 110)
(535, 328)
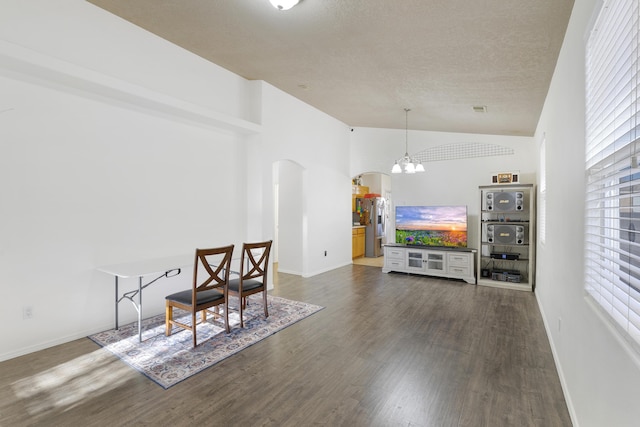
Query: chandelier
(407, 164)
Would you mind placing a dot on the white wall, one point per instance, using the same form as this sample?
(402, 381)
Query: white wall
(293, 130)
(117, 146)
(290, 208)
(87, 184)
(92, 175)
(446, 182)
(600, 374)
(78, 32)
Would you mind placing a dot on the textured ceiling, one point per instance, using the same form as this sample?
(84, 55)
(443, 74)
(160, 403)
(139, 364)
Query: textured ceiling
(364, 61)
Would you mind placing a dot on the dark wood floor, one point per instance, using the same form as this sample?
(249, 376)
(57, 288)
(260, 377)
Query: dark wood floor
(388, 350)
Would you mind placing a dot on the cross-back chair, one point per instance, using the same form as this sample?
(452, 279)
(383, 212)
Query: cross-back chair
(211, 270)
(254, 264)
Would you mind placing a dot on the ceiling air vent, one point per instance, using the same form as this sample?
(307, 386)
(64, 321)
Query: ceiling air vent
(480, 108)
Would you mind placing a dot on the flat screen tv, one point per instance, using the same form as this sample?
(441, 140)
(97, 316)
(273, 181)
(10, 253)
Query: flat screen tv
(443, 226)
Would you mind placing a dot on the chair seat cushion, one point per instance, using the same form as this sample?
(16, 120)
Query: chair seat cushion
(204, 297)
(247, 285)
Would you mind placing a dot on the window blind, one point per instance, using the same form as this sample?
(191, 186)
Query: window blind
(612, 204)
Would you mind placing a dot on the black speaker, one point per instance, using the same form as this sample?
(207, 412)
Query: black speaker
(504, 201)
(507, 234)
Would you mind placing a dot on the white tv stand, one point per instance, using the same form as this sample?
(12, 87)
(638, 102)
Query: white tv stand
(453, 263)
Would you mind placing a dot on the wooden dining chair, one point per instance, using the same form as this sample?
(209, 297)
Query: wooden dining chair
(254, 264)
(211, 270)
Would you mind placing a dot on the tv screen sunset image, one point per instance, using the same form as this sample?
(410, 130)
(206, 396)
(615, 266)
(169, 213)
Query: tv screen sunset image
(432, 225)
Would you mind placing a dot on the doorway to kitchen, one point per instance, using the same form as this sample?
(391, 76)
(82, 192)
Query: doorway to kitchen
(371, 198)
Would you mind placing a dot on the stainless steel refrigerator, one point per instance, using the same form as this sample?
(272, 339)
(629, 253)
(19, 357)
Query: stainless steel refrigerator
(375, 222)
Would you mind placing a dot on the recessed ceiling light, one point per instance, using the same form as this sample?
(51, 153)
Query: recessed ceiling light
(284, 4)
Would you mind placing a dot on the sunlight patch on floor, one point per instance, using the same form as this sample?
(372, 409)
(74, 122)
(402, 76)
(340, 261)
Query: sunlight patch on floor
(69, 384)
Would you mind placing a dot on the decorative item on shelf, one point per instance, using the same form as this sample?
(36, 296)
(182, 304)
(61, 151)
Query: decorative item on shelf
(512, 177)
(407, 164)
(284, 4)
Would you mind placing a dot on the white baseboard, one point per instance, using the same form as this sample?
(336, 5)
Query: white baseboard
(326, 269)
(299, 273)
(52, 343)
(563, 383)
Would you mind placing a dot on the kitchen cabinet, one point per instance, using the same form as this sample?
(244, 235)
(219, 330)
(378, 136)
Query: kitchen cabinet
(358, 240)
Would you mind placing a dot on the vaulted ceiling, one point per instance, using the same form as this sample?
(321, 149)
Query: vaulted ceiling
(365, 61)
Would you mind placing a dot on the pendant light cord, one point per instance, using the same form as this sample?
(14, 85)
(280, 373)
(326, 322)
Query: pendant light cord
(406, 131)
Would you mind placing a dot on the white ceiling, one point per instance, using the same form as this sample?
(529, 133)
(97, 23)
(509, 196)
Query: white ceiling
(364, 61)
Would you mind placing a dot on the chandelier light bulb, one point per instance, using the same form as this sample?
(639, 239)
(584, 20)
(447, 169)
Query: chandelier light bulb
(410, 168)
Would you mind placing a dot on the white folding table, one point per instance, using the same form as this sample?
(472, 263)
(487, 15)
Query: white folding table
(164, 267)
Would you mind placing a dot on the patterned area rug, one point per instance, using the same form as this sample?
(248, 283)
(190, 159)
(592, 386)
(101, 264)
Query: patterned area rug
(169, 360)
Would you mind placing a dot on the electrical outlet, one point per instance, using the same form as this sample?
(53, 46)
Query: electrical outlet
(27, 312)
